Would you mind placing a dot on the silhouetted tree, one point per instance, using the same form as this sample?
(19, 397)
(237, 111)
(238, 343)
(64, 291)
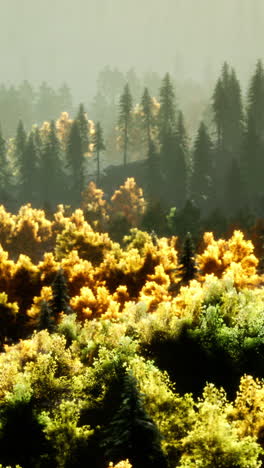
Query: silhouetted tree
(188, 269)
(147, 116)
(201, 179)
(125, 109)
(75, 161)
(83, 126)
(253, 148)
(178, 175)
(60, 297)
(51, 173)
(28, 171)
(99, 146)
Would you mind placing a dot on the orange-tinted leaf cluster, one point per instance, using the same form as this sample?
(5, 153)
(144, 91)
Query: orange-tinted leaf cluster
(233, 257)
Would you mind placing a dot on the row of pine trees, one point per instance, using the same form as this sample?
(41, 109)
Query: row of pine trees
(222, 167)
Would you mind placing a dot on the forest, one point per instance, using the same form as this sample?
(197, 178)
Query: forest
(131, 275)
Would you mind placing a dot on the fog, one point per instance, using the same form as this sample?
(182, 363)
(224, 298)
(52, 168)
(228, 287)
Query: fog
(71, 41)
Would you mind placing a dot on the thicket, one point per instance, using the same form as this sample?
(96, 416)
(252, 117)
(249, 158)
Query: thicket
(112, 354)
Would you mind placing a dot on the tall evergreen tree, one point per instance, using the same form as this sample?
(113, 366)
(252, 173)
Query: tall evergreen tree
(28, 171)
(125, 115)
(228, 117)
(20, 145)
(83, 125)
(167, 112)
(132, 434)
(253, 148)
(181, 163)
(99, 146)
(51, 174)
(201, 179)
(75, 162)
(167, 131)
(5, 176)
(147, 116)
(228, 112)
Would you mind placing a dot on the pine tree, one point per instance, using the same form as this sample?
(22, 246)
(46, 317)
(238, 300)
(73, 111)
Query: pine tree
(83, 125)
(253, 147)
(147, 116)
(28, 171)
(75, 161)
(228, 113)
(228, 117)
(179, 177)
(201, 179)
(5, 176)
(60, 298)
(20, 145)
(99, 146)
(51, 174)
(167, 113)
(188, 269)
(125, 116)
(132, 434)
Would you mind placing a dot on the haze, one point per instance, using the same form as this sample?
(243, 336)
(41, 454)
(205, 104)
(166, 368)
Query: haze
(71, 41)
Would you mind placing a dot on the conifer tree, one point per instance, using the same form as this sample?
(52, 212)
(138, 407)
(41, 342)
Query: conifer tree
(147, 116)
(188, 269)
(253, 147)
(83, 125)
(167, 113)
(179, 176)
(125, 116)
(51, 174)
(228, 112)
(201, 179)
(28, 171)
(20, 145)
(132, 434)
(5, 175)
(75, 161)
(99, 146)
(60, 298)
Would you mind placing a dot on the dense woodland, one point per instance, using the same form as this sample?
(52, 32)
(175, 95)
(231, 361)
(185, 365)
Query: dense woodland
(131, 295)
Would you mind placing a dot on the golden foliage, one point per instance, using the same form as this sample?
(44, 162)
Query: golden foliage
(233, 257)
(128, 201)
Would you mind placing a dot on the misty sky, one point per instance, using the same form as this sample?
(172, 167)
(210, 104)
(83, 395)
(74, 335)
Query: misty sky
(71, 40)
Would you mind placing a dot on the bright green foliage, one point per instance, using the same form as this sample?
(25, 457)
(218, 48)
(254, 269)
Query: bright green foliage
(61, 429)
(213, 441)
